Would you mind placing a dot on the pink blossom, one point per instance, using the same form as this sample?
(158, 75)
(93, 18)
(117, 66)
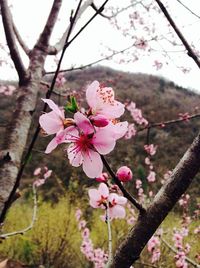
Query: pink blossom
(78, 214)
(39, 182)
(151, 177)
(88, 143)
(152, 243)
(141, 43)
(52, 122)
(136, 114)
(37, 171)
(116, 203)
(147, 161)
(184, 116)
(124, 174)
(131, 131)
(47, 174)
(138, 184)
(153, 246)
(102, 101)
(103, 177)
(158, 65)
(98, 198)
(60, 80)
(58, 139)
(150, 149)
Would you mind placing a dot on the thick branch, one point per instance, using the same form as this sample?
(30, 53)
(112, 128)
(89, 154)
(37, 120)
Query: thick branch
(44, 38)
(59, 46)
(183, 174)
(190, 51)
(10, 38)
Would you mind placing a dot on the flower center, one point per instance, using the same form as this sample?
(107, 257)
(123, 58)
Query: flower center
(84, 142)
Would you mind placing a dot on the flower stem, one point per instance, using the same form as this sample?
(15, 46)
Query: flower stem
(110, 254)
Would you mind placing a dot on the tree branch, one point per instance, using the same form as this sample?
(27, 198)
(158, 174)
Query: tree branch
(20, 40)
(10, 38)
(193, 263)
(53, 50)
(30, 226)
(169, 122)
(190, 51)
(92, 63)
(121, 187)
(180, 179)
(186, 7)
(43, 41)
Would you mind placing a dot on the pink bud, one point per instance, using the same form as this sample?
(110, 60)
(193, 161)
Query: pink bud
(124, 174)
(99, 120)
(103, 177)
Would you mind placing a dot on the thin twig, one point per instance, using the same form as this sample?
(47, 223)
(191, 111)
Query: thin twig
(121, 187)
(169, 122)
(34, 217)
(146, 264)
(186, 7)
(20, 40)
(92, 63)
(190, 51)
(175, 251)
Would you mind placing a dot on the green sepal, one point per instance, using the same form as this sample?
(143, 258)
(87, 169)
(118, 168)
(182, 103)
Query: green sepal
(71, 105)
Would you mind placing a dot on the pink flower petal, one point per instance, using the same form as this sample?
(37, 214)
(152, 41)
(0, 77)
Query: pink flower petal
(121, 200)
(92, 164)
(119, 129)
(58, 139)
(83, 123)
(91, 93)
(74, 155)
(51, 146)
(117, 212)
(112, 111)
(54, 107)
(103, 189)
(94, 197)
(51, 123)
(103, 141)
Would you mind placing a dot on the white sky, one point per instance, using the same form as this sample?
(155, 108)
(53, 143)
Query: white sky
(89, 46)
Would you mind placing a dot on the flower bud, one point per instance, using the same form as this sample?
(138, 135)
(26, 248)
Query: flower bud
(99, 120)
(124, 174)
(103, 177)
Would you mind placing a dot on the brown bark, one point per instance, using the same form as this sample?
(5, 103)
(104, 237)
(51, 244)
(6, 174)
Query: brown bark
(17, 131)
(147, 223)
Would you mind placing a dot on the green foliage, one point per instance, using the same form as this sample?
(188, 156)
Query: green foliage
(55, 239)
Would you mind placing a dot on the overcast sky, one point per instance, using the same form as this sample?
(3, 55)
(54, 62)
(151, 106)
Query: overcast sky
(101, 35)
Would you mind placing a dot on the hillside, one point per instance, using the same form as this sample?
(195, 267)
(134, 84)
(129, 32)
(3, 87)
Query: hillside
(159, 100)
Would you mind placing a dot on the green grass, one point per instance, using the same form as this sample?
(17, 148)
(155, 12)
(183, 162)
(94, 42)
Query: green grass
(55, 239)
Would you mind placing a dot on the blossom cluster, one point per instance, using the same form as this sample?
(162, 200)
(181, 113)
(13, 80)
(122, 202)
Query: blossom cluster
(42, 174)
(90, 133)
(102, 198)
(97, 256)
(153, 246)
